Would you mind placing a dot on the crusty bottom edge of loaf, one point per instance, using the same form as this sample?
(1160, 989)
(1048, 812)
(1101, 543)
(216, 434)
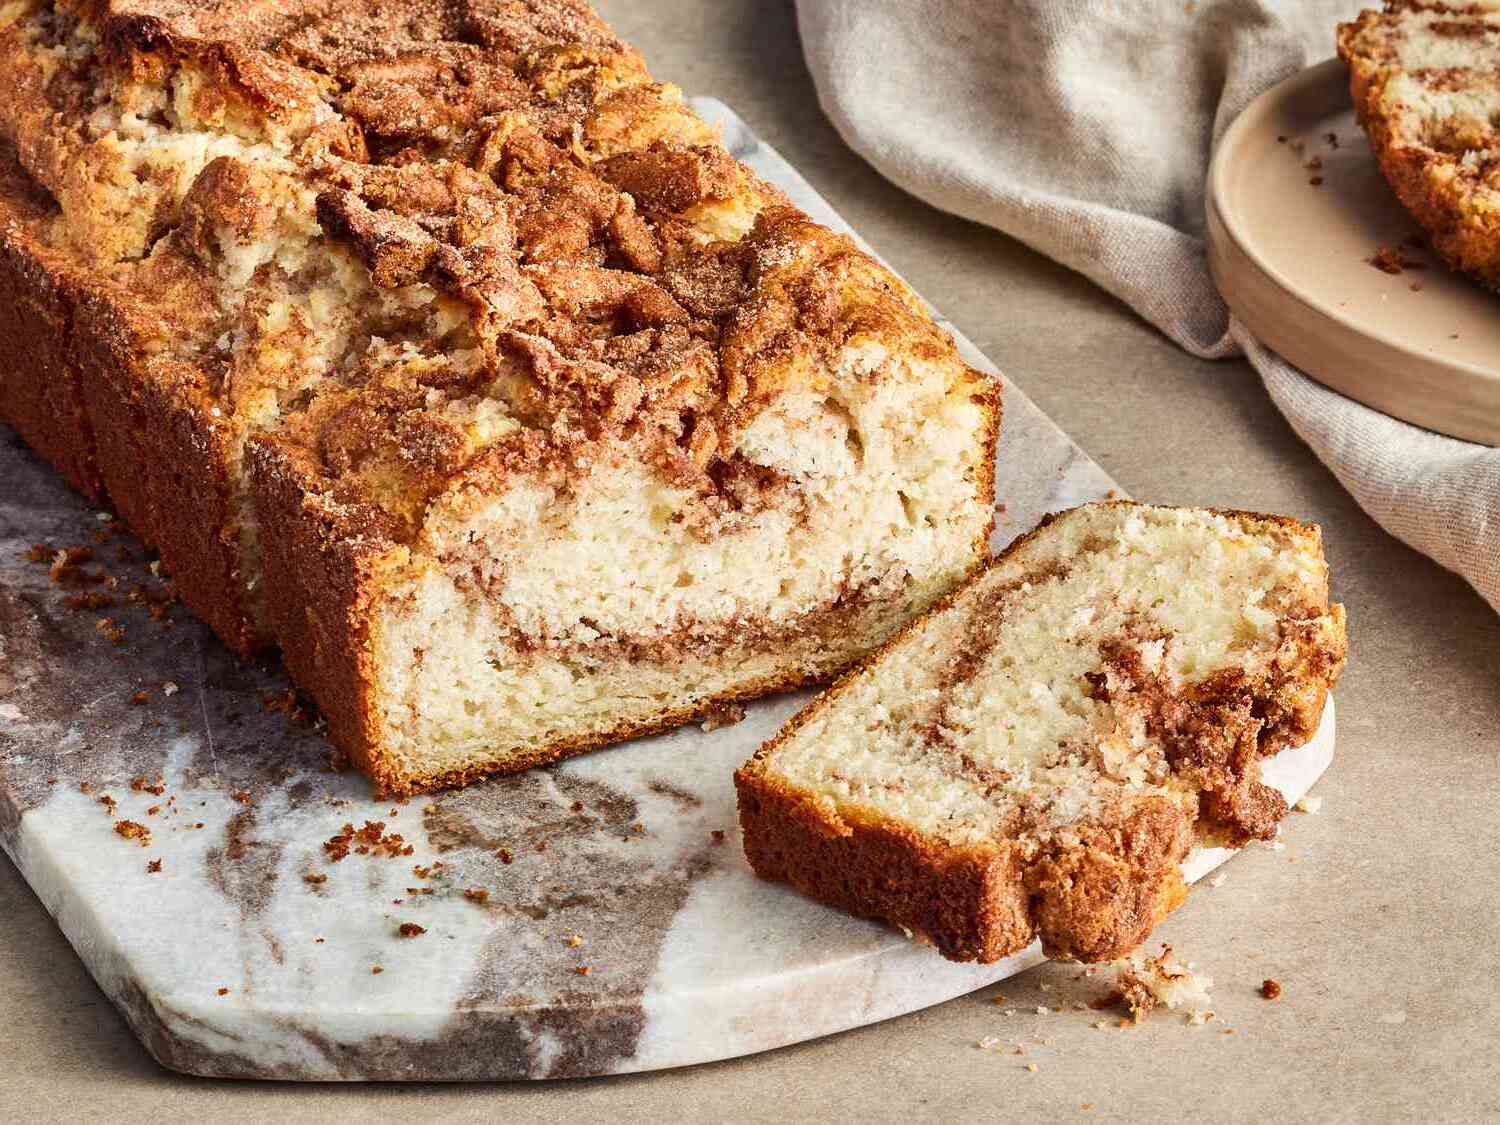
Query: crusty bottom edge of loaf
(390, 784)
(835, 640)
(971, 904)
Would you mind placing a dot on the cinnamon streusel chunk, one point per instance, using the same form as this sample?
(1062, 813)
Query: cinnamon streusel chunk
(1037, 755)
(439, 345)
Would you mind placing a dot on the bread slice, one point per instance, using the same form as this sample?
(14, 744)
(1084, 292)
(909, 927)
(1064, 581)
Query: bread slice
(443, 348)
(1038, 754)
(1425, 80)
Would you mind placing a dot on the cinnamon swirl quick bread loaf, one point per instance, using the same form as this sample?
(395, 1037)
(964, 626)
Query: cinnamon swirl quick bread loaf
(1425, 79)
(1037, 755)
(435, 343)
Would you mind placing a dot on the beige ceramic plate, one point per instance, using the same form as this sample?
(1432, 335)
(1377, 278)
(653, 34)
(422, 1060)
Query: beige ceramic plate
(1292, 258)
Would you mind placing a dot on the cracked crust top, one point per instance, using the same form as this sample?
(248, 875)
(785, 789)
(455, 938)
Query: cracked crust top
(430, 241)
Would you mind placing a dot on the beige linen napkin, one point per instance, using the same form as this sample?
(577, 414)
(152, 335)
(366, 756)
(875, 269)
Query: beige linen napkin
(1084, 128)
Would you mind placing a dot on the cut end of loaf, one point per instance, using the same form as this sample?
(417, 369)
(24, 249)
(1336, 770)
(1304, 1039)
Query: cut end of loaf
(1038, 754)
(545, 606)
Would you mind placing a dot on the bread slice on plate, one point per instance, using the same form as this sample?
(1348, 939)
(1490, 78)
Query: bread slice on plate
(1039, 753)
(1425, 80)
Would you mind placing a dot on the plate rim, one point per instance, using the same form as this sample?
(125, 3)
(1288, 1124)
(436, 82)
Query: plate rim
(1237, 266)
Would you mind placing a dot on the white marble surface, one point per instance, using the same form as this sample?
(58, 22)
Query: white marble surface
(227, 961)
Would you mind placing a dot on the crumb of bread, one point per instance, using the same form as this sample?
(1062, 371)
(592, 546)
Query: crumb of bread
(1309, 805)
(1392, 259)
(1270, 989)
(1161, 981)
(337, 845)
(721, 717)
(410, 930)
(134, 831)
(89, 599)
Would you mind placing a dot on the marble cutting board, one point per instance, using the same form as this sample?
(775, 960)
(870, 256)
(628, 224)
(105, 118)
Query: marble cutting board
(227, 961)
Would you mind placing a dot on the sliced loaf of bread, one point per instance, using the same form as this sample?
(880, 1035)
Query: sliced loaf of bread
(1038, 754)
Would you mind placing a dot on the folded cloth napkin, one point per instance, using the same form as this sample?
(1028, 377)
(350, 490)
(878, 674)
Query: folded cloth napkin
(1084, 128)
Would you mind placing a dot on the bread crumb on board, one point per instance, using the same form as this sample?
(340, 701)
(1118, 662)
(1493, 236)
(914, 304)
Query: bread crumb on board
(1147, 983)
(132, 830)
(720, 717)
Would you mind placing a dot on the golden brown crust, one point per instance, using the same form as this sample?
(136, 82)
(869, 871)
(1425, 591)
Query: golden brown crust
(40, 391)
(326, 570)
(74, 389)
(971, 903)
(166, 462)
(1092, 899)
